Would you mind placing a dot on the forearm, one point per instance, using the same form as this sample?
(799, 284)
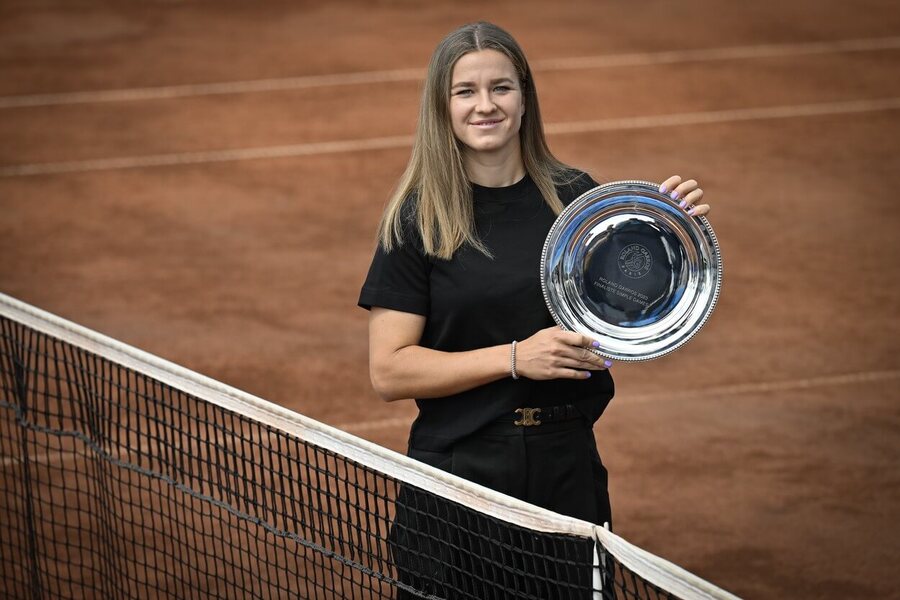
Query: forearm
(417, 372)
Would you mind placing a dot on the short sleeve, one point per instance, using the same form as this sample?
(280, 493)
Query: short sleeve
(399, 279)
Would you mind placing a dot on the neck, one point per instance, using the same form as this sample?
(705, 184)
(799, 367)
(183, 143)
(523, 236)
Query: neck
(489, 170)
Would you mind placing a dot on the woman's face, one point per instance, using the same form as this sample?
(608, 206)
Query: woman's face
(486, 102)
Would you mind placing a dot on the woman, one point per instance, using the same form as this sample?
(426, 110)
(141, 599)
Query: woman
(458, 320)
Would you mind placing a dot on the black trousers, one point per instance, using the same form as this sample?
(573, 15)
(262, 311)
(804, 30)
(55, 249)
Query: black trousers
(449, 551)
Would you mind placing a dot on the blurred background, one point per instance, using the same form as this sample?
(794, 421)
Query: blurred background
(203, 180)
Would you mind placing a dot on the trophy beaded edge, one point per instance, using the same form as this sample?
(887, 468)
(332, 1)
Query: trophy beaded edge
(652, 187)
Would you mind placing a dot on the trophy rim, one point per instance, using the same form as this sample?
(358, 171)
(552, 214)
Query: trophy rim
(651, 190)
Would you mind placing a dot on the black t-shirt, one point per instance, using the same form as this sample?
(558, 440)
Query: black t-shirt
(472, 301)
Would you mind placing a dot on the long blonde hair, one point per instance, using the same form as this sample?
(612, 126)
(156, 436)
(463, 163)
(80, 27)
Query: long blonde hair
(435, 178)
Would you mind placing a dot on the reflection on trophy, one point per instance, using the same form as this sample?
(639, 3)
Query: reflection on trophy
(626, 265)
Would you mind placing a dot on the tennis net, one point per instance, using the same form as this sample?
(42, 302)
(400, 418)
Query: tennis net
(126, 476)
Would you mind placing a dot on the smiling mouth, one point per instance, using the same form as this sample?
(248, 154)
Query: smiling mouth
(486, 123)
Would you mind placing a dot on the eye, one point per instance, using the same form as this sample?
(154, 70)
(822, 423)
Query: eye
(503, 88)
(463, 92)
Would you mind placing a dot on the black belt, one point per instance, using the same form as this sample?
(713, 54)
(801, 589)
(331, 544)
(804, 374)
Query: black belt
(537, 416)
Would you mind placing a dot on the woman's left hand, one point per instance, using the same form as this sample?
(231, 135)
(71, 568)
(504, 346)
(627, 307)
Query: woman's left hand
(686, 193)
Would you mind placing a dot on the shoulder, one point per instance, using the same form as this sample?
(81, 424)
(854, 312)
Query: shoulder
(408, 222)
(409, 207)
(572, 184)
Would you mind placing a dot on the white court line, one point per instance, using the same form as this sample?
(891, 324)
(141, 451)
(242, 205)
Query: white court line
(382, 143)
(714, 391)
(401, 75)
(61, 456)
(642, 59)
(214, 156)
(725, 116)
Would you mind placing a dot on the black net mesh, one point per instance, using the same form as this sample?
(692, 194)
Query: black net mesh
(116, 485)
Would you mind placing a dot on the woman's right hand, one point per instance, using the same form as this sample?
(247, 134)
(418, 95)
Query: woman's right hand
(553, 353)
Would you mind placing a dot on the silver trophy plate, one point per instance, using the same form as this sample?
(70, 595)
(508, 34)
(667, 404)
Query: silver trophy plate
(625, 265)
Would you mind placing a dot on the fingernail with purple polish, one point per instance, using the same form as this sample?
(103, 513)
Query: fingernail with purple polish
(662, 189)
(692, 211)
(674, 195)
(595, 344)
(607, 363)
(587, 374)
(683, 204)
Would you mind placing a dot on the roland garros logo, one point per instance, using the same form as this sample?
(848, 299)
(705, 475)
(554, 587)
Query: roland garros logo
(635, 261)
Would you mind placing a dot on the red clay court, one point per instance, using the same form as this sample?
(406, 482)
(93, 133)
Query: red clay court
(203, 181)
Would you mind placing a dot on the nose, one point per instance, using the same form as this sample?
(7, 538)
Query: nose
(485, 102)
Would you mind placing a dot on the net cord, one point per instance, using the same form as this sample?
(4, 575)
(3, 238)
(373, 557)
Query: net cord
(653, 568)
(659, 571)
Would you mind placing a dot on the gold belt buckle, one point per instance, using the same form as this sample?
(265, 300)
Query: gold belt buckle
(528, 417)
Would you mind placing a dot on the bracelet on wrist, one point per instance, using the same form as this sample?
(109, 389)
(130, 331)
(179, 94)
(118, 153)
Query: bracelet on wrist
(512, 361)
